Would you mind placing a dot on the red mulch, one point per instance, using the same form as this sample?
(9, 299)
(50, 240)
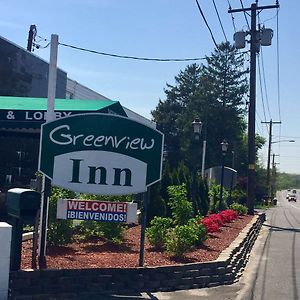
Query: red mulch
(97, 253)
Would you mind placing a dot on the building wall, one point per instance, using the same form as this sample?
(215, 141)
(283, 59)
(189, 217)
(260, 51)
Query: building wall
(22, 74)
(75, 90)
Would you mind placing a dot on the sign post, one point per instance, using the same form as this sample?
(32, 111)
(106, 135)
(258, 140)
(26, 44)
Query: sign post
(50, 116)
(146, 200)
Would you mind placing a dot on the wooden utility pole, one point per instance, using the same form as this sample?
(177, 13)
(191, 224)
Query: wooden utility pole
(254, 47)
(273, 175)
(31, 37)
(269, 156)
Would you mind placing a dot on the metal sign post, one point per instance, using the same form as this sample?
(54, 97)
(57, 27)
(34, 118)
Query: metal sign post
(146, 200)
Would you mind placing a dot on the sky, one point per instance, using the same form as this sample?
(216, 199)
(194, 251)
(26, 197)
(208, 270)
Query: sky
(167, 29)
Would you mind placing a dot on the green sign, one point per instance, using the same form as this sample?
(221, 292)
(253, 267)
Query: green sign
(101, 154)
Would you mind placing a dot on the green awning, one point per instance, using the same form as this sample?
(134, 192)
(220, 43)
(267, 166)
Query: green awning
(26, 113)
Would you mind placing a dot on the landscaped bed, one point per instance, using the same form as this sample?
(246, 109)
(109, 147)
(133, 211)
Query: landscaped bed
(97, 253)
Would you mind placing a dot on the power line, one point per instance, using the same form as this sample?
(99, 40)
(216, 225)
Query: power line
(216, 9)
(265, 84)
(232, 17)
(245, 15)
(261, 90)
(132, 57)
(211, 34)
(139, 58)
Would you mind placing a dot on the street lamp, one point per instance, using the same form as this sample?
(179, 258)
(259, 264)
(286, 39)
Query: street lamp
(224, 147)
(197, 127)
(280, 141)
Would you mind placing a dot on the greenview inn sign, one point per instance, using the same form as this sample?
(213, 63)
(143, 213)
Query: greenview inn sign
(101, 154)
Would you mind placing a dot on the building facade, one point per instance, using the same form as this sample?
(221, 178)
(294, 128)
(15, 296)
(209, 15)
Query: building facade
(23, 74)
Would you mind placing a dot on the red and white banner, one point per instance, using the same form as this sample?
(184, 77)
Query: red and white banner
(102, 211)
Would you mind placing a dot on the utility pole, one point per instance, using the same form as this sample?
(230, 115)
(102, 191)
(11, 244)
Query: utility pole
(269, 156)
(254, 47)
(273, 175)
(31, 36)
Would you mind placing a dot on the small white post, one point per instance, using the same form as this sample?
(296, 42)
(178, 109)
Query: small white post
(5, 238)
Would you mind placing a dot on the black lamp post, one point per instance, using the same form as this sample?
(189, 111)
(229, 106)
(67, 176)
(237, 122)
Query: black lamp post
(197, 127)
(224, 147)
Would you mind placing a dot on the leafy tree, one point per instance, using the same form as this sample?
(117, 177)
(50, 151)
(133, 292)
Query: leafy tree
(288, 181)
(157, 205)
(214, 93)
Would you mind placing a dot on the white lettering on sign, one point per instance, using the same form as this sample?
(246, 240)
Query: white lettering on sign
(117, 207)
(38, 115)
(104, 211)
(96, 216)
(10, 115)
(61, 136)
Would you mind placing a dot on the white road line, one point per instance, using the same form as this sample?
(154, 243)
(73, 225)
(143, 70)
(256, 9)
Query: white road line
(295, 206)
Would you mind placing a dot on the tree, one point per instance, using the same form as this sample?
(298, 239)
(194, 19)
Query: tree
(214, 93)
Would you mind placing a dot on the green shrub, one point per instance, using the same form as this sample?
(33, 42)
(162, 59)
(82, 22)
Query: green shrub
(199, 229)
(60, 232)
(214, 194)
(156, 233)
(181, 208)
(180, 239)
(111, 231)
(239, 208)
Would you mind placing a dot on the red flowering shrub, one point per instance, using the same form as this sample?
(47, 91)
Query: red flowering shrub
(210, 224)
(213, 222)
(216, 218)
(228, 215)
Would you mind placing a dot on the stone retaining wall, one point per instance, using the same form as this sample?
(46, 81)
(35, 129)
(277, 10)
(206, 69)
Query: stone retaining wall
(90, 283)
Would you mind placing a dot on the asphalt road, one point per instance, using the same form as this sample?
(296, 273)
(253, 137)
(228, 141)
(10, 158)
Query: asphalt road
(273, 271)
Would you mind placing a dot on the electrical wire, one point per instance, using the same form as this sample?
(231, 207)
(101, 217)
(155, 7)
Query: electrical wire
(133, 57)
(139, 58)
(245, 15)
(232, 17)
(265, 84)
(261, 90)
(217, 12)
(205, 21)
